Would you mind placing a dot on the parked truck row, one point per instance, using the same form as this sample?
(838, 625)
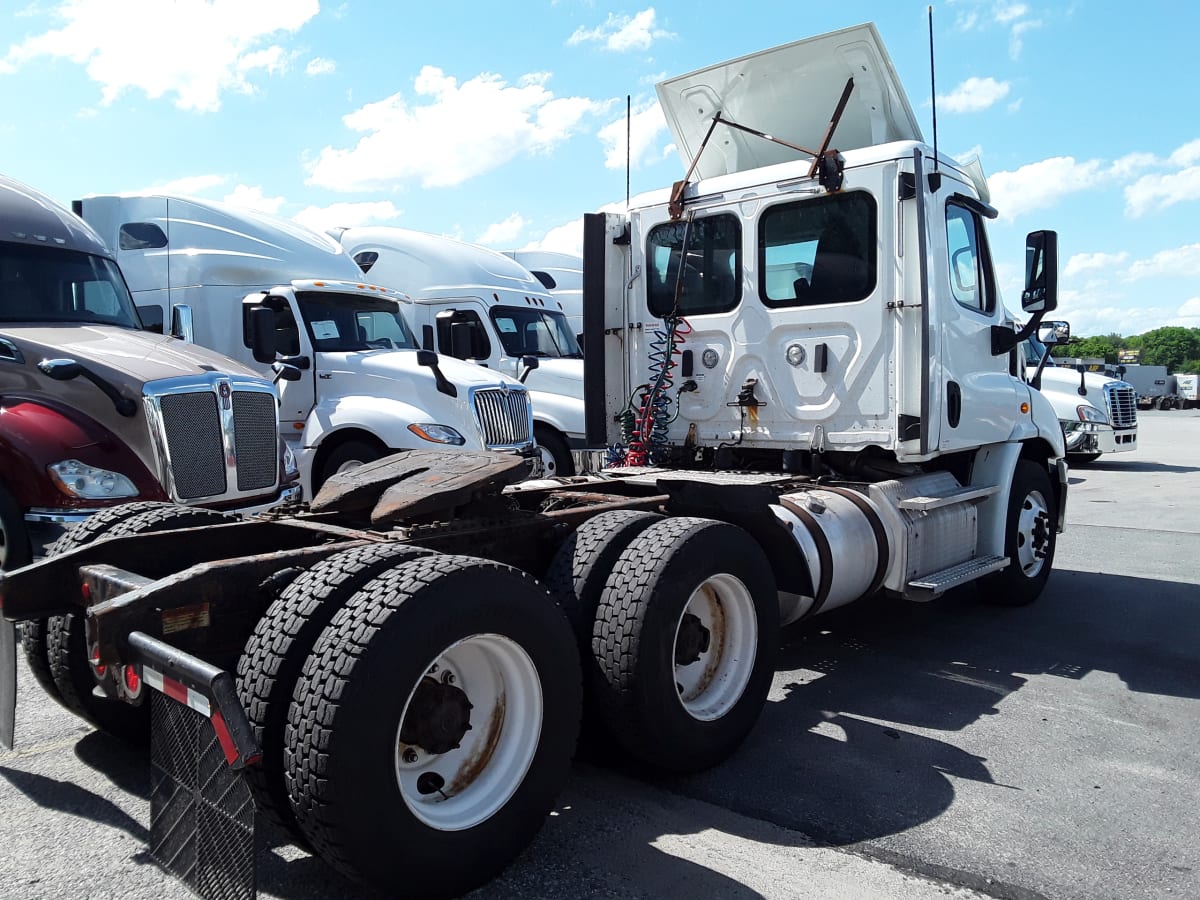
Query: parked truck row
(810, 393)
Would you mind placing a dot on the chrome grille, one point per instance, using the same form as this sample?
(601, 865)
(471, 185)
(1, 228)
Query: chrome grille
(505, 417)
(256, 440)
(1122, 404)
(192, 426)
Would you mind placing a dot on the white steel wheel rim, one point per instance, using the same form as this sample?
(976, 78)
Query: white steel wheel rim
(1033, 508)
(484, 771)
(549, 465)
(710, 687)
(348, 466)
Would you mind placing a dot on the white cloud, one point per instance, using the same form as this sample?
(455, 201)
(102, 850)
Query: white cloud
(460, 131)
(1041, 185)
(1182, 261)
(973, 95)
(193, 49)
(568, 237)
(252, 197)
(1016, 37)
(318, 65)
(1157, 192)
(1010, 13)
(348, 215)
(502, 233)
(1186, 155)
(620, 33)
(1188, 314)
(646, 123)
(1086, 262)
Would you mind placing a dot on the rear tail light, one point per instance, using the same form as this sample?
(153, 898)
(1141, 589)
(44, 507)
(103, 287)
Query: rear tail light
(132, 679)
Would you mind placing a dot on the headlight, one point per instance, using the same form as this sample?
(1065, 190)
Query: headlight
(76, 479)
(291, 469)
(439, 434)
(1091, 414)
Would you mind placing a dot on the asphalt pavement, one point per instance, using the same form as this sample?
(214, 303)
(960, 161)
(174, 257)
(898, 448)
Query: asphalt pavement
(948, 749)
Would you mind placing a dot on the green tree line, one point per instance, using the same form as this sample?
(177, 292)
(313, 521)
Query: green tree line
(1173, 346)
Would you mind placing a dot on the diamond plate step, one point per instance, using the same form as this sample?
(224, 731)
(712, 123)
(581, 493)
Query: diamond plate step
(939, 582)
(961, 495)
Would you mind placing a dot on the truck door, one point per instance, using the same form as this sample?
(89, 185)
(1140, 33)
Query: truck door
(974, 394)
(296, 398)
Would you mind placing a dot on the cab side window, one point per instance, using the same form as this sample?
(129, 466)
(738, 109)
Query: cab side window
(971, 281)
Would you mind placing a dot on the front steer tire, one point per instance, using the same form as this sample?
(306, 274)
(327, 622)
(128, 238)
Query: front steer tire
(1030, 538)
(380, 793)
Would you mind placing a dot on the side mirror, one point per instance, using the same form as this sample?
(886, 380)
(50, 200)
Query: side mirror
(182, 326)
(427, 337)
(1041, 272)
(529, 363)
(429, 359)
(61, 369)
(1054, 332)
(285, 372)
(260, 324)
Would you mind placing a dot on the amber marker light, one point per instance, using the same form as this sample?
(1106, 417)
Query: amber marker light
(1024, 407)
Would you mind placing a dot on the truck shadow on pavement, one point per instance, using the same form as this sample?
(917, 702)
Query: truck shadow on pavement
(1129, 465)
(860, 742)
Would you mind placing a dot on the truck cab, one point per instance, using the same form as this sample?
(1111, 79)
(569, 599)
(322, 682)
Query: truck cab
(485, 308)
(364, 389)
(820, 311)
(99, 411)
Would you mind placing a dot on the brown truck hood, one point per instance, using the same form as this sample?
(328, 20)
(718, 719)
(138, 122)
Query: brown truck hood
(128, 357)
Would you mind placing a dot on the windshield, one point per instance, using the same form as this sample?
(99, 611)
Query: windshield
(51, 284)
(526, 331)
(343, 323)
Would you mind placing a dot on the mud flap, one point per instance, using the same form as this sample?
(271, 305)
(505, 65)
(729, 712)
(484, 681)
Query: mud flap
(8, 683)
(201, 809)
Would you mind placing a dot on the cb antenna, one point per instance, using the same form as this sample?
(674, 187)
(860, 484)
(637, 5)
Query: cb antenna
(936, 180)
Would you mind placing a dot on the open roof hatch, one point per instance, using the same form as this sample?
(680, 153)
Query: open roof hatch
(788, 92)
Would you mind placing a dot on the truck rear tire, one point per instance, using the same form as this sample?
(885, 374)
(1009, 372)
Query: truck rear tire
(685, 640)
(1030, 538)
(66, 643)
(582, 564)
(278, 647)
(34, 632)
(386, 779)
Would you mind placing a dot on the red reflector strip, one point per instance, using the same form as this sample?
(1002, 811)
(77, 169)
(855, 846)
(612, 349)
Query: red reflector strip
(224, 737)
(177, 691)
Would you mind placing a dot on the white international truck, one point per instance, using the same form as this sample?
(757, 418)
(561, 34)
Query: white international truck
(1097, 413)
(365, 388)
(802, 364)
(485, 308)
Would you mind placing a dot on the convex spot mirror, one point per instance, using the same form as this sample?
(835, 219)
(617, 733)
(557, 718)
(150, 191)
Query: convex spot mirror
(1054, 332)
(1041, 272)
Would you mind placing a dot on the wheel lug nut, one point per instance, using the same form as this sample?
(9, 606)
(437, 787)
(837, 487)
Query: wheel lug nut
(447, 677)
(410, 755)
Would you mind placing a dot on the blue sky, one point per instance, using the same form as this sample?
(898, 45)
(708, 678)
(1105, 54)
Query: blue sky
(504, 123)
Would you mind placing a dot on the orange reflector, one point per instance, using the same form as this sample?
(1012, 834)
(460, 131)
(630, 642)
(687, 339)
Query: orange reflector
(298, 426)
(318, 284)
(133, 681)
(1024, 407)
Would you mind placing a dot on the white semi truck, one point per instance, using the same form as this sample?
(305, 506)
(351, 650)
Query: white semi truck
(365, 388)
(1097, 413)
(484, 308)
(801, 363)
